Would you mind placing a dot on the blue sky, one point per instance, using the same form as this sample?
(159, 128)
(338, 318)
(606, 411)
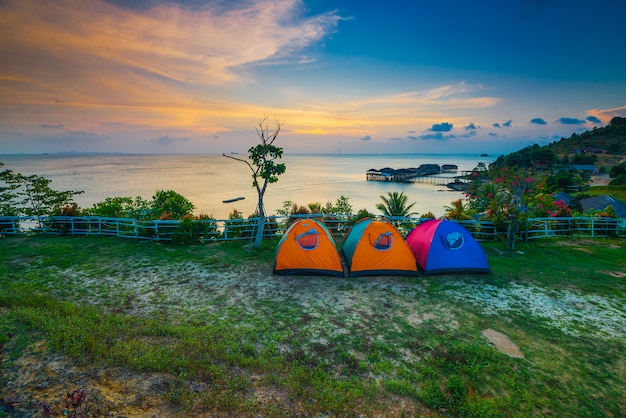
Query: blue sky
(352, 76)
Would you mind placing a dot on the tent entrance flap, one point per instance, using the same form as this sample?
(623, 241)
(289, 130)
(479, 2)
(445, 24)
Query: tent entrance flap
(308, 240)
(384, 241)
(452, 241)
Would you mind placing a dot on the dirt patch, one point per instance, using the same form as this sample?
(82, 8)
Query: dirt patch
(600, 180)
(502, 343)
(617, 274)
(40, 382)
(572, 312)
(576, 245)
(418, 319)
(585, 244)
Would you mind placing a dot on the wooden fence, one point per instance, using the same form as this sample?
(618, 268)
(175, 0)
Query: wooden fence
(576, 226)
(245, 229)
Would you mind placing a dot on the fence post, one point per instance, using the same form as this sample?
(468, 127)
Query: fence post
(593, 227)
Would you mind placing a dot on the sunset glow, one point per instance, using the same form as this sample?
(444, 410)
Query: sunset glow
(163, 77)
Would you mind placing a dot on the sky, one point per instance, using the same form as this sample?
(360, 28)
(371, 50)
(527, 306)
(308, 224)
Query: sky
(352, 76)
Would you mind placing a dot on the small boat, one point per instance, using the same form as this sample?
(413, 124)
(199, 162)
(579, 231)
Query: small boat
(484, 155)
(234, 199)
(458, 186)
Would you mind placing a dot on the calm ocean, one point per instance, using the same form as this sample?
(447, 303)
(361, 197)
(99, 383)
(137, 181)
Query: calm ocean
(207, 180)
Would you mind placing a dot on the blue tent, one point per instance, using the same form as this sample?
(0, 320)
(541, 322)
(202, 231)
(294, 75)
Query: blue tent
(442, 246)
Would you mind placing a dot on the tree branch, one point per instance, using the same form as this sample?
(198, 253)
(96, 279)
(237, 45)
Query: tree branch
(240, 160)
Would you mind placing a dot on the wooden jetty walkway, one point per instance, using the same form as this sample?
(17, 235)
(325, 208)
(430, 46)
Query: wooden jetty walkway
(425, 173)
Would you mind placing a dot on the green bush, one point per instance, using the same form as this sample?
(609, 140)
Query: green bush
(121, 207)
(191, 230)
(167, 204)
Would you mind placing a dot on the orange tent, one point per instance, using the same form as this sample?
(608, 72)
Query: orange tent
(308, 248)
(375, 247)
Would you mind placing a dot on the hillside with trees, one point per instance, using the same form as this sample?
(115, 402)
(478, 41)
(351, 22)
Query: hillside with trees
(604, 147)
(611, 138)
(522, 184)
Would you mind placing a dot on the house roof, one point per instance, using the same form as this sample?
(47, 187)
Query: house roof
(566, 197)
(582, 167)
(601, 202)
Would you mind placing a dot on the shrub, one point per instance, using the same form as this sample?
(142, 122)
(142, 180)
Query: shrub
(121, 207)
(171, 203)
(457, 211)
(238, 227)
(361, 214)
(192, 230)
(72, 210)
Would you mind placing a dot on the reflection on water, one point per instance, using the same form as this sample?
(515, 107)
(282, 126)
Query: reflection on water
(207, 180)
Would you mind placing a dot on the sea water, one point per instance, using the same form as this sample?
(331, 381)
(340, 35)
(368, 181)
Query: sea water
(208, 180)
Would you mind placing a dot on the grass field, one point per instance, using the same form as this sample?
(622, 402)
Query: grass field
(112, 327)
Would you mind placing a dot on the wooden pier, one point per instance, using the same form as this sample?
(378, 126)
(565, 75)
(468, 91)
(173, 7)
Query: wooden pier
(436, 180)
(426, 173)
(410, 174)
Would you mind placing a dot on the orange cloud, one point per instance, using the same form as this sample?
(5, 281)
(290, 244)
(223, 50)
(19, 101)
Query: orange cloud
(89, 62)
(91, 65)
(605, 115)
(398, 112)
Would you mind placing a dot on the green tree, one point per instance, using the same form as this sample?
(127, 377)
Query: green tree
(395, 204)
(169, 204)
(505, 199)
(8, 193)
(615, 148)
(342, 206)
(30, 195)
(560, 181)
(457, 211)
(543, 155)
(121, 207)
(585, 159)
(265, 170)
(617, 170)
(618, 174)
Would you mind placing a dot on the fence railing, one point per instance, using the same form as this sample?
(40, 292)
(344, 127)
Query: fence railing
(576, 226)
(275, 226)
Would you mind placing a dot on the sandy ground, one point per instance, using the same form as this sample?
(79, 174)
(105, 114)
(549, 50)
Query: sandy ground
(600, 180)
